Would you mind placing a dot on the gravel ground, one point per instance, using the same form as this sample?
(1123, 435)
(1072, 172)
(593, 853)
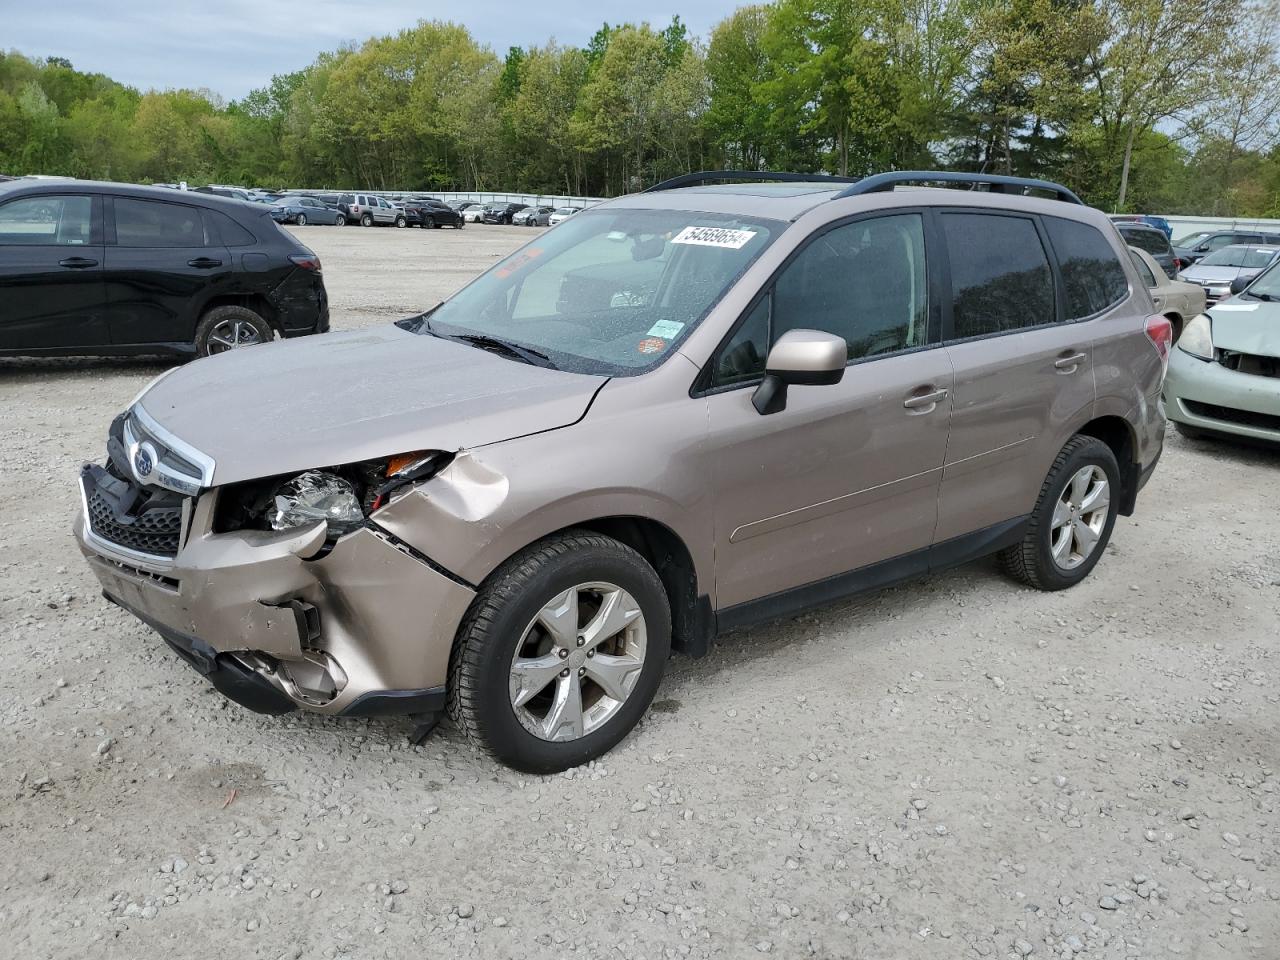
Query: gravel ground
(958, 767)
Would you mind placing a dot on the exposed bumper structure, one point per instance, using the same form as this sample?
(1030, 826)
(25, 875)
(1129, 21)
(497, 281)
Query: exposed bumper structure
(276, 623)
(1209, 396)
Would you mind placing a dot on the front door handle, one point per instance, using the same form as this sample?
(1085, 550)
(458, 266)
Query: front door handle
(77, 263)
(925, 402)
(204, 263)
(1070, 363)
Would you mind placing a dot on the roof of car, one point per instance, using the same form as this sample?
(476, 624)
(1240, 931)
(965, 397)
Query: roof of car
(26, 185)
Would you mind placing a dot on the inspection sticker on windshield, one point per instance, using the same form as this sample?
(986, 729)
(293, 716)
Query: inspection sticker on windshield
(714, 237)
(666, 328)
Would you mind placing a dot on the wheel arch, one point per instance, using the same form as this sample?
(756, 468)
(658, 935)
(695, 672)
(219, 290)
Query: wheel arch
(1118, 434)
(256, 302)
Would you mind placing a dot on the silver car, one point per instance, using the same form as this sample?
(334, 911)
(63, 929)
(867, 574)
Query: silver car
(1241, 261)
(1224, 375)
(677, 414)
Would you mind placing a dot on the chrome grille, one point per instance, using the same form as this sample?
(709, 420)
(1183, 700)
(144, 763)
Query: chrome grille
(154, 457)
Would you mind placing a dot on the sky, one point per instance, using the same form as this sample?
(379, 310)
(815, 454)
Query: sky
(234, 46)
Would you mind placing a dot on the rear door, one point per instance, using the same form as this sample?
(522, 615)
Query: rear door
(161, 268)
(1022, 359)
(51, 287)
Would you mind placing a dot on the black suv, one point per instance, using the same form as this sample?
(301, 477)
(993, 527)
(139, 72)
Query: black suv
(1151, 239)
(501, 212)
(109, 268)
(428, 212)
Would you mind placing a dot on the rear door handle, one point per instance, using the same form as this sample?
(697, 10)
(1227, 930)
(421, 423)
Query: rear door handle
(918, 401)
(1070, 362)
(204, 263)
(77, 263)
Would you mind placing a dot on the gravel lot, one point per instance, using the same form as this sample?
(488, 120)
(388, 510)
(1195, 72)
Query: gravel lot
(958, 767)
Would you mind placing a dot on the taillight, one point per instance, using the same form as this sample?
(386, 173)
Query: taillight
(1160, 333)
(307, 261)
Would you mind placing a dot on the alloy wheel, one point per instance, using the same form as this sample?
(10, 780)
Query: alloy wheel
(230, 334)
(578, 661)
(1079, 517)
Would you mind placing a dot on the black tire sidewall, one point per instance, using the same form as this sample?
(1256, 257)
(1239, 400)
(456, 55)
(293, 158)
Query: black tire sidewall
(504, 734)
(366, 220)
(302, 220)
(1094, 453)
(220, 314)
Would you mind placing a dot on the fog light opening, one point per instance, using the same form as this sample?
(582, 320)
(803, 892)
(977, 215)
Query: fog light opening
(315, 679)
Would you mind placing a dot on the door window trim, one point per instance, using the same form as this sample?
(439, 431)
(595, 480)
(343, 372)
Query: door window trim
(702, 385)
(96, 233)
(109, 219)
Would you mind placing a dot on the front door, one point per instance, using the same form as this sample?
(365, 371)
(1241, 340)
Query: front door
(162, 267)
(847, 475)
(51, 289)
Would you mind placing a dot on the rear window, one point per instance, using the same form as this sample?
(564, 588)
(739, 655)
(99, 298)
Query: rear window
(1091, 272)
(1152, 241)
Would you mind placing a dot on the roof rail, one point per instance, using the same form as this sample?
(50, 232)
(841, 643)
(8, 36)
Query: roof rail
(709, 176)
(997, 184)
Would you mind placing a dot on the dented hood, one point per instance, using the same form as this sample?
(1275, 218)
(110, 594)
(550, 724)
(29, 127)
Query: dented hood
(1247, 326)
(345, 397)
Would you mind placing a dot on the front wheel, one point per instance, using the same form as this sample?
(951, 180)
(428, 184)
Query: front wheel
(366, 220)
(302, 220)
(561, 652)
(401, 221)
(1072, 520)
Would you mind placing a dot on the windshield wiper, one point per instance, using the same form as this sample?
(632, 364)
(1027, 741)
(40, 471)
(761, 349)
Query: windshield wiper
(497, 345)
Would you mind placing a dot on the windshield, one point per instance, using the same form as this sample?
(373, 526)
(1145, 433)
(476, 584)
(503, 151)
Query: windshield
(610, 293)
(1191, 239)
(1266, 286)
(1249, 257)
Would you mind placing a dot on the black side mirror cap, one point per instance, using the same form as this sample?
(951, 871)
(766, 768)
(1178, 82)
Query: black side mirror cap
(1239, 283)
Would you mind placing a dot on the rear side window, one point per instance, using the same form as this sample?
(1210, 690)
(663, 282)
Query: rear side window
(1091, 273)
(1152, 241)
(154, 223)
(223, 228)
(1143, 270)
(1000, 277)
(37, 221)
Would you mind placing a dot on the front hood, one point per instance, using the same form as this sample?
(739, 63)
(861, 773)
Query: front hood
(346, 397)
(1202, 274)
(1240, 329)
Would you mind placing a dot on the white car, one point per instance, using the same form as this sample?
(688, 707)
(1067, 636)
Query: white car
(564, 213)
(472, 213)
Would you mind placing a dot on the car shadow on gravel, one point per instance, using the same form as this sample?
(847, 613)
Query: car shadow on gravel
(1242, 450)
(24, 369)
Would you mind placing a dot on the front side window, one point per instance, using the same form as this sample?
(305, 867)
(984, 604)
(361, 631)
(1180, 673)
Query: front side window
(610, 293)
(1000, 277)
(1091, 273)
(1220, 240)
(154, 223)
(39, 221)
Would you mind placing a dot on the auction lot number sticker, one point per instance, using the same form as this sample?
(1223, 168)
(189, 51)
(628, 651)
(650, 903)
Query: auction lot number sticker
(714, 237)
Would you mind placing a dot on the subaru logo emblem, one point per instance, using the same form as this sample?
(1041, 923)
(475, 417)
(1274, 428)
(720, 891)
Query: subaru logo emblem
(143, 462)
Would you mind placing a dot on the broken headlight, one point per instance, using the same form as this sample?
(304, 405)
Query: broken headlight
(316, 495)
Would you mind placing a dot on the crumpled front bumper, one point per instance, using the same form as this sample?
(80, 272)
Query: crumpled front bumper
(256, 611)
(1207, 395)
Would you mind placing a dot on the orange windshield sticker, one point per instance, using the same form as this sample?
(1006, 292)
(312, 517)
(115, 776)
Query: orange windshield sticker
(518, 262)
(651, 345)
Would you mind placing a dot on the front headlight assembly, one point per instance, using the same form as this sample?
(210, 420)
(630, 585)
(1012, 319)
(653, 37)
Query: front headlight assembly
(316, 495)
(1197, 337)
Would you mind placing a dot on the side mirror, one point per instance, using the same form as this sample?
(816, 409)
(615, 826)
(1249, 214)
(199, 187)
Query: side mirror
(802, 357)
(1203, 248)
(1239, 283)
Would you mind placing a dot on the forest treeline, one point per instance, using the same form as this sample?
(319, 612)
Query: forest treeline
(1139, 105)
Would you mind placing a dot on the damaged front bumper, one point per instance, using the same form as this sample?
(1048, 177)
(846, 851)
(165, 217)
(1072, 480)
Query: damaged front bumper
(277, 622)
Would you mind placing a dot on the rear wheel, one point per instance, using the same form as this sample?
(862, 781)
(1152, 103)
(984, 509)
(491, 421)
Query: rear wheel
(339, 221)
(561, 652)
(1072, 520)
(227, 328)
(426, 222)
(401, 221)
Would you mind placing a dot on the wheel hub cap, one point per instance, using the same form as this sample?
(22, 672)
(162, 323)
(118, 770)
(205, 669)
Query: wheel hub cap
(577, 661)
(1079, 517)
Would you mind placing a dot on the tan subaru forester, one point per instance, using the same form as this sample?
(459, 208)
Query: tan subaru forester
(675, 414)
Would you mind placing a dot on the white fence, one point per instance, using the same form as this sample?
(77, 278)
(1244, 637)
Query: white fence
(1185, 225)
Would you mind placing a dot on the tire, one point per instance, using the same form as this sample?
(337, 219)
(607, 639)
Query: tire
(221, 325)
(504, 620)
(401, 221)
(302, 220)
(366, 219)
(426, 222)
(340, 220)
(1033, 560)
(1190, 432)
